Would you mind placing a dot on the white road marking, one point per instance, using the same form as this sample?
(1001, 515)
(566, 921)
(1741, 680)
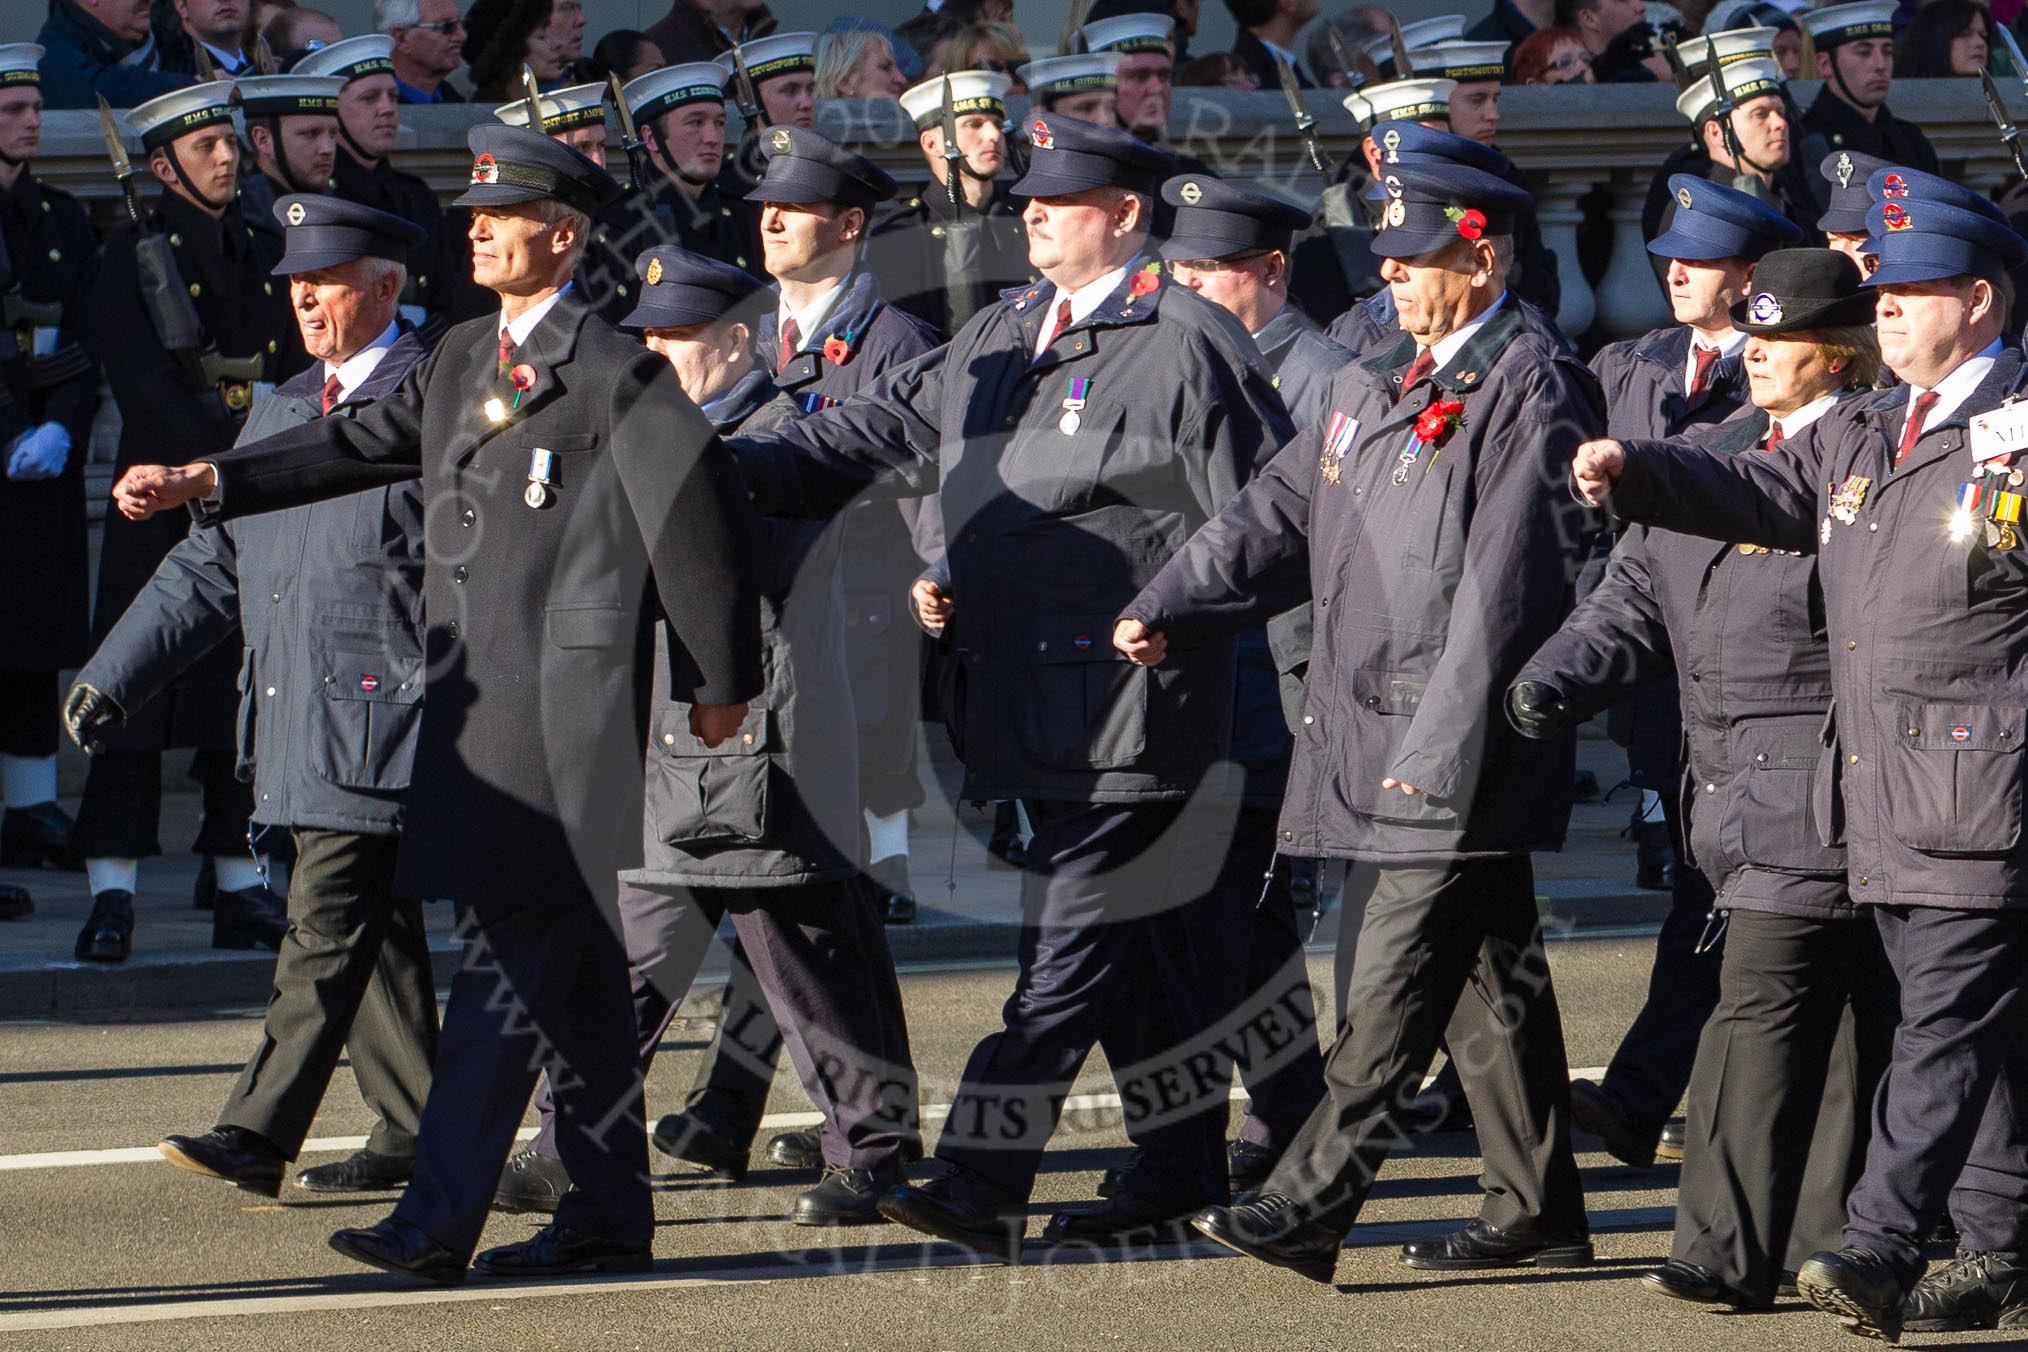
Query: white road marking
(148, 1154)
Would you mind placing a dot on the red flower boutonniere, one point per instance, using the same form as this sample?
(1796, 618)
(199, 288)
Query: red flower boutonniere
(522, 378)
(1146, 280)
(838, 350)
(1434, 422)
(1471, 222)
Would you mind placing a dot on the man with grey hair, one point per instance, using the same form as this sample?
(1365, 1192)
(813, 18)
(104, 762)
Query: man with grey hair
(429, 44)
(335, 643)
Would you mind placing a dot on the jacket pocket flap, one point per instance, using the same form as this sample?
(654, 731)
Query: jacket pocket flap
(601, 626)
(379, 677)
(563, 443)
(1961, 727)
(1780, 743)
(1385, 692)
(674, 739)
(1076, 639)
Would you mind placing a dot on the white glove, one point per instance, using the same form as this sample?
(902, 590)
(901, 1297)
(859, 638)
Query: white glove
(39, 453)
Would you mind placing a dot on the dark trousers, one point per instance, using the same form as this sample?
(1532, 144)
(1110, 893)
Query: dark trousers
(729, 1090)
(353, 974)
(30, 713)
(1451, 952)
(541, 988)
(1948, 1120)
(120, 816)
(1781, 1094)
(1651, 1068)
(1104, 909)
(819, 958)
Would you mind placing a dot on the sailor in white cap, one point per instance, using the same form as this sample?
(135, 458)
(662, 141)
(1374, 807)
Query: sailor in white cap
(1084, 86)
(679, 114)
(575, 116)
(773, 80)
(1855, 60)
(292, 124)
(1145, 82)
(1475, 70)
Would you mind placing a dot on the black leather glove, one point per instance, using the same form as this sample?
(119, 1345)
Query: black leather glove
(86, 711)
(1536, 709)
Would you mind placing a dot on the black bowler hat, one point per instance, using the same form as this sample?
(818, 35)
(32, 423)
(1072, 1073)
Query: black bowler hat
(1215, 219)
(1847, 171)
(682, 288)
(1071, 155)
(326, 231)
(806, 167)
(513, 164)
(1797, 289)
(1431, 205)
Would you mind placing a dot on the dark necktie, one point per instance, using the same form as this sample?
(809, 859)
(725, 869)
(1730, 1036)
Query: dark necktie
(1912, 433)
(1056, 329)
(506, 351)
(1424, 363)
(330, 393)
(1700, 378)
(792, 338)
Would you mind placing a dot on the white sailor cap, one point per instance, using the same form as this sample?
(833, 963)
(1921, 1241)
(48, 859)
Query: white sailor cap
(289, 95)
(167, 116)
(1834, 24)
(1460, 61)
(1421, 33)
(972, 91)
(1055, 76)
(1128, 33)
(1733, 46)
(651, 95)
(1418, 100)
(352, 59)
(20, 64)
(1744, 80)
(562, 109)
(779, 54)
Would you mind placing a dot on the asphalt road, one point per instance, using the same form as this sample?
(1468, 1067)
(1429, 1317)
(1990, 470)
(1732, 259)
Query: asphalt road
(107, 1247)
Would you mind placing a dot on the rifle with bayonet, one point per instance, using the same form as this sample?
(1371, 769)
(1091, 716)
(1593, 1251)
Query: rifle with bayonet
(170, 312)
(746, 97)
(1343, 54)
(1306, 123)
(961, 237)
(531, 98)
(1743, 178)
(2010, 135)
(630, 139)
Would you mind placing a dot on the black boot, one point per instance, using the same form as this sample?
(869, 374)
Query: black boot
(847, 1196)
(1975, 1290)
(1654, 855)
(37, 836)
(251, 918)
(531, 1182)
(891, 886)
(15, 902)
(109, 935)
(204, 892)
(1860, 1287)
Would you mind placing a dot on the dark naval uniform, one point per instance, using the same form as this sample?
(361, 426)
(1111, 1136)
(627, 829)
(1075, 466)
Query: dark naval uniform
(329, 597)
(439, 288)
(1747, 626)
(1790, 192)
(1830, 124)
(46, 376)
(195, 406)
(921, 237)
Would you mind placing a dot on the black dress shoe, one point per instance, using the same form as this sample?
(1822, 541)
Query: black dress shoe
(805, 1149)
(15, 902)
(363, 1171)
(1115, 1178)
(240, 1157)
(892, 889)
(1595, 1111)
(1860, 1287)
(688, 1139)
(531, 1182)
(898, 908)
(847, 1196)
(38, 836)
(1670, 1147)
(1479, 1246)
(557, 1251)
(963, 1208)
(108, 936)
(250, 918)
(396, 1246)
(1124, 1218)
(1700, 1286)
(1274, 1229)
(1433, 1111)
(1247, 1166)
(1978, 1289)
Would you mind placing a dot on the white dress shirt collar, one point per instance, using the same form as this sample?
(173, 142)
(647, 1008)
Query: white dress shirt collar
(228, 63)
(1729, 344)
(1083, 302)
(353, 371)
(1451, 344)
(1792, 424)
(810, 319)
(1956, 387)
(520, 327)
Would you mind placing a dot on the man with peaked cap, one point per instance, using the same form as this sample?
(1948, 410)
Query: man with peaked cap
(1085, 425)
(330, 599)
(679, 113)
(1372, 322)
(832, 334)
(369, 120)
(1855, 60)
(1745, 625)
(1084, 86)
(48, 395)
(576, 117)
(1908, 501)
(1900, 181)
(1845, 174)
(1684, 376)
(781, 78)
(198, 396)
(571, 483)
(1337, 264)
(777, 856)
(1424, 613)
(944, 262)
(292, 125)
(1760, 121)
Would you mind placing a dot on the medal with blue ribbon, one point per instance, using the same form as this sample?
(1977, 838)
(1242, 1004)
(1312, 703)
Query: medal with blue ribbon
(1073, 400)
(1989, 510)
(1338, 434)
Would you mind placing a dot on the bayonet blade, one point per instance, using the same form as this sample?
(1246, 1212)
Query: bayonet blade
(1343, 55)
(1306, 124)
(2013, 52)
(1403, 67)
(116, 147)
(207, 73)
(2010, 135)
(531, 93)
(954, 158)
(630, 139)
(264, 57)
(746, 93)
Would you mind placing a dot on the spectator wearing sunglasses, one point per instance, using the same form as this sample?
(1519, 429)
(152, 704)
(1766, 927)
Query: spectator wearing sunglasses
(429, 44)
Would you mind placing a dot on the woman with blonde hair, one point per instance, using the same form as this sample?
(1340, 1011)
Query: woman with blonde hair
(858, 63)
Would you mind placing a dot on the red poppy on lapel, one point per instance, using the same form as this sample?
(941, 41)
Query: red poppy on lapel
(1439, 418)
(838, 350)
